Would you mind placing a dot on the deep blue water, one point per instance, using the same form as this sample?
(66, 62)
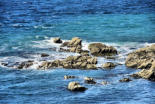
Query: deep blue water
(26, 27)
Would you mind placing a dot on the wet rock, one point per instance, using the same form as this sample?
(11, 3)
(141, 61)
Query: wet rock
(125, 80)
(44, 55)
(25, 64)
(99, 49)
(108, 65)
(141, 58)
(68, 77)
(57, 40)
(75, 86)
(4, 64)
(89, 80)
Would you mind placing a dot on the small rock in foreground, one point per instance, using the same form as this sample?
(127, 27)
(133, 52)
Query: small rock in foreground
(75, 86)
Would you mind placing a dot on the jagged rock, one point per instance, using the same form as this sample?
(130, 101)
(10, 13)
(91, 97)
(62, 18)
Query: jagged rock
(125, 80)
(141, 58)
(25, 64)
(68, 77)
(72, 62)
(108, 65)
(99, 49)
(76, 41)
(44, 55)
(89, 80)
(57, 40)
(75, 86)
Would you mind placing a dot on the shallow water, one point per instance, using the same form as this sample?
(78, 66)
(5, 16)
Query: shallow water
(27, 28)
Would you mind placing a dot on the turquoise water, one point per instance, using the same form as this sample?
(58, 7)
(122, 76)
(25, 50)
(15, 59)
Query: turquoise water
(26, 30)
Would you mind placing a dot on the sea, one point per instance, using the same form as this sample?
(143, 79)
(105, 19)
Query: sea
(27, 29)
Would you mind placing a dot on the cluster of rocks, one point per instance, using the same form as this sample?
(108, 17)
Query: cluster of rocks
(143, 58)
(75, 86)
(72, 62)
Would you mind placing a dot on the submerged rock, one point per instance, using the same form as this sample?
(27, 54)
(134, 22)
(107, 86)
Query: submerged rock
(108, 65)
(125, 80)
(25, 64)
(57, 40)
(89, 80)
(75, 86)
(44, 55)
(68, 77)
(99, 49)
(104, 82)
(141, 58)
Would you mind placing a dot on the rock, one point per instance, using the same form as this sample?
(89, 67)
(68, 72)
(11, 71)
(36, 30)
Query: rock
(65, 44)
(141, 58)
(76, 41)
(104, 82)
(44, 55)
(25, 64)
(68, 77)
(108, 65)
(75, 86)
(136, 76)
(125, 80)
(53, 64)
(99, 49)
(57, 40)
(89, 80)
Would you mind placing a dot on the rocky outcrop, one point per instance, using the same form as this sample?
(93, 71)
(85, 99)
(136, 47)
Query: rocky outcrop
(108, 65)
(125, 80)
(99, 49)
(89, 80)
(72, 62)
(146, 73)
(68, 77)
(75, 86)
(141, 58)
(57, 40)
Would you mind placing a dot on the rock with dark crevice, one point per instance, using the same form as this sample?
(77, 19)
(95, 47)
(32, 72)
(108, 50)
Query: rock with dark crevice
(57, 40)
(99, 49)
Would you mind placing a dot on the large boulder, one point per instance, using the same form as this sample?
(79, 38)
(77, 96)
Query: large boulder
(141, 58)
(75, 86)
(146, 73)
(99, 49)
(57, 40)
